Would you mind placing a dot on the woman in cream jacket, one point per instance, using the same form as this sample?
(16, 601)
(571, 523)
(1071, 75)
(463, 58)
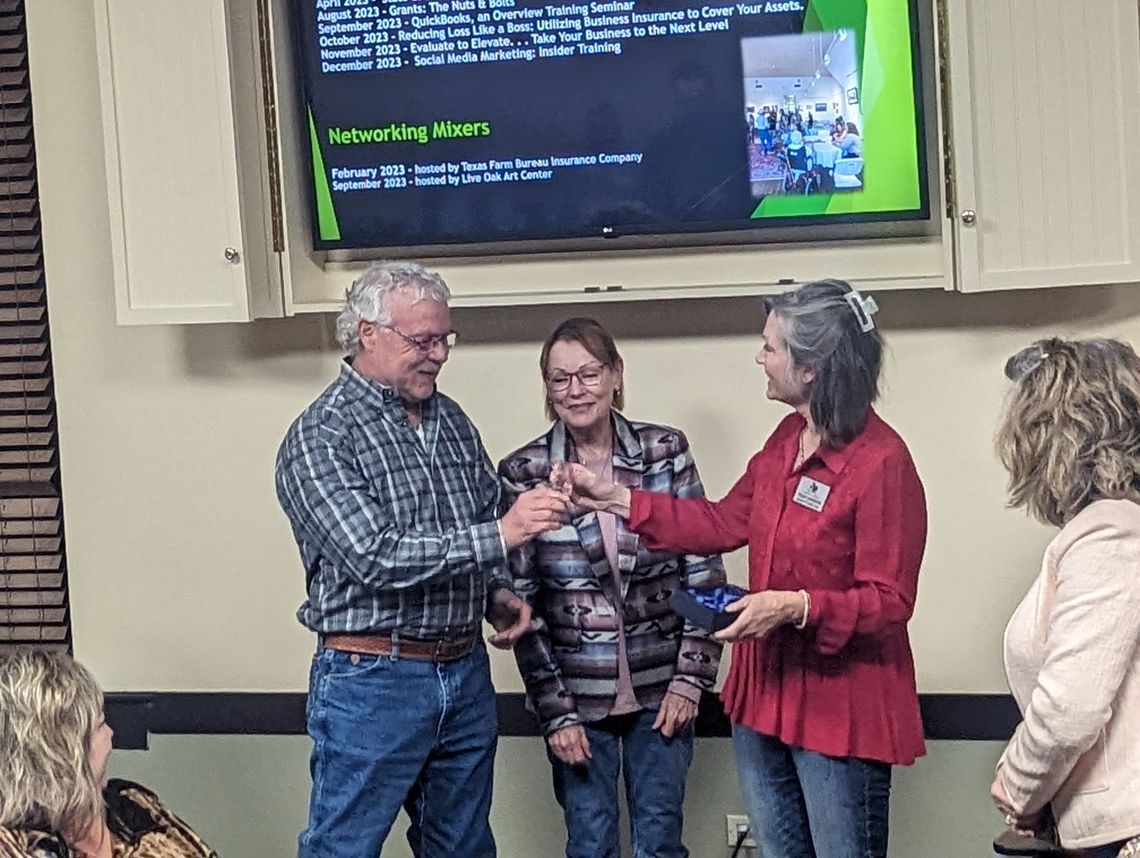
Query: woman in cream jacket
(1070, 440)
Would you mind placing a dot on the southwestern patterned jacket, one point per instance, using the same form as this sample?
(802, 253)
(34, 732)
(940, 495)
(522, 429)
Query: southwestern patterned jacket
(569, 662)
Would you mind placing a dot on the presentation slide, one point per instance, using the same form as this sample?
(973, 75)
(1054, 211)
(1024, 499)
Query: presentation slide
(439, 122)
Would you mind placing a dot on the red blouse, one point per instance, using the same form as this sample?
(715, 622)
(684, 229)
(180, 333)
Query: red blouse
(845, 685)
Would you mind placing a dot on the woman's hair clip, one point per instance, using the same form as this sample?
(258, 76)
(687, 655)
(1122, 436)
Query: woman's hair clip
(864, 308)
(1025, 362)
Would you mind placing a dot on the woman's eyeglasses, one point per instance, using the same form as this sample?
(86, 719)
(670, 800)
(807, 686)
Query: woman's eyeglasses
(590, 376)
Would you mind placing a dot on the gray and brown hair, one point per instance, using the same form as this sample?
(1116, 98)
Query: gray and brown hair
(367, 300)
(1070, 433)
(49, 708)
(827, 328)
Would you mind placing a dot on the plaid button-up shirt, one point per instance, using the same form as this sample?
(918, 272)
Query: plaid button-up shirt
(397, 532)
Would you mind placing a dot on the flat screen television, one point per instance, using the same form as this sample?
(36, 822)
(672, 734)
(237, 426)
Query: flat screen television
(443, 127)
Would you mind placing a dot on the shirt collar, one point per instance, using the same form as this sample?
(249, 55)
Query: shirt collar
(626, 443)
(375, 394)
(836, 459)
(625, 439)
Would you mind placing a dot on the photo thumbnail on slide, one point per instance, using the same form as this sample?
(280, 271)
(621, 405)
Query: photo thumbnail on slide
(802, 115)
(436, 123)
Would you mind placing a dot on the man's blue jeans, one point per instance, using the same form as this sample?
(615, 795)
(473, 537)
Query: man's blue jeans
(390, 732)
(806, 805)
(654, 768)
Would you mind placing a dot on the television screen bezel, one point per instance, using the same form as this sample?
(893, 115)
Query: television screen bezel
(864, 226)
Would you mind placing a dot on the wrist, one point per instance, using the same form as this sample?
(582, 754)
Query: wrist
(683, 690)
(511, 536)
(797, 607)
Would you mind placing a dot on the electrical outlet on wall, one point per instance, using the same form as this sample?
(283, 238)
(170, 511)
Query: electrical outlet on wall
(734, 824)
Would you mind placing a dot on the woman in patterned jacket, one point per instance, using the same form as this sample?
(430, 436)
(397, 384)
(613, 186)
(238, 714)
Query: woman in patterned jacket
(612, 672)
(56, 801)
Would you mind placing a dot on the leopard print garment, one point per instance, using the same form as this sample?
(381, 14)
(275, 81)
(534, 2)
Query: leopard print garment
(141, 825)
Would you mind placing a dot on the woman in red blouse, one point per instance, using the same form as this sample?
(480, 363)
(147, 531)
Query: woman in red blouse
(821, 692)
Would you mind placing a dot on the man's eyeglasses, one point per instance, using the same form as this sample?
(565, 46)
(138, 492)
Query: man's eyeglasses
(425, 344)
(590, 376)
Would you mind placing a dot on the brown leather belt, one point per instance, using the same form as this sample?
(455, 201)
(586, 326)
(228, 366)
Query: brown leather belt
(416, 650)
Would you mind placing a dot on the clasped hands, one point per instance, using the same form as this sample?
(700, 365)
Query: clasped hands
(758, 613)
(569, 489)
(586, 490)
(536, 511)
(539, 510)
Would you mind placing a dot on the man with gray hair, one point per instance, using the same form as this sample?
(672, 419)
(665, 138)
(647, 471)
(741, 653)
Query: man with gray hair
(394, 505)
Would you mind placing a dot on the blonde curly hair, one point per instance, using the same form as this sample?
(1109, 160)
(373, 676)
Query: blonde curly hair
(49, 708)
(1070, 434)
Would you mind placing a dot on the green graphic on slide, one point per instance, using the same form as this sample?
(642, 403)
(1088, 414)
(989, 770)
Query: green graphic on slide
(326, 214)
(886, 100)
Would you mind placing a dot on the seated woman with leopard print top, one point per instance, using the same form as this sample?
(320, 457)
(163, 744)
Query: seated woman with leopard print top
(57, 801)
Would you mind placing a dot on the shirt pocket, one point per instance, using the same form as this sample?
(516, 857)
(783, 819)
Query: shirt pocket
(1090, 774)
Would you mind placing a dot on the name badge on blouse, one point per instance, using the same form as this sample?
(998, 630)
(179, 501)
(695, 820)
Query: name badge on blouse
(811, 493)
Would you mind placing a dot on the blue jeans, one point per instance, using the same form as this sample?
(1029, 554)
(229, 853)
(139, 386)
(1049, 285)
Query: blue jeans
(806, 805)
(654, 768)
(390, 732)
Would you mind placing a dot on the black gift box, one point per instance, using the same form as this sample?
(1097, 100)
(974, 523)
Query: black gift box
(702, 608)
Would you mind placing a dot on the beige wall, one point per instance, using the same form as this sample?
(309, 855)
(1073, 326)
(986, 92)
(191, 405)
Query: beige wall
(183, 572)
(939, 808)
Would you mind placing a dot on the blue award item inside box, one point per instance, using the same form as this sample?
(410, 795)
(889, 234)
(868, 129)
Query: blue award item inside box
(704, 607)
